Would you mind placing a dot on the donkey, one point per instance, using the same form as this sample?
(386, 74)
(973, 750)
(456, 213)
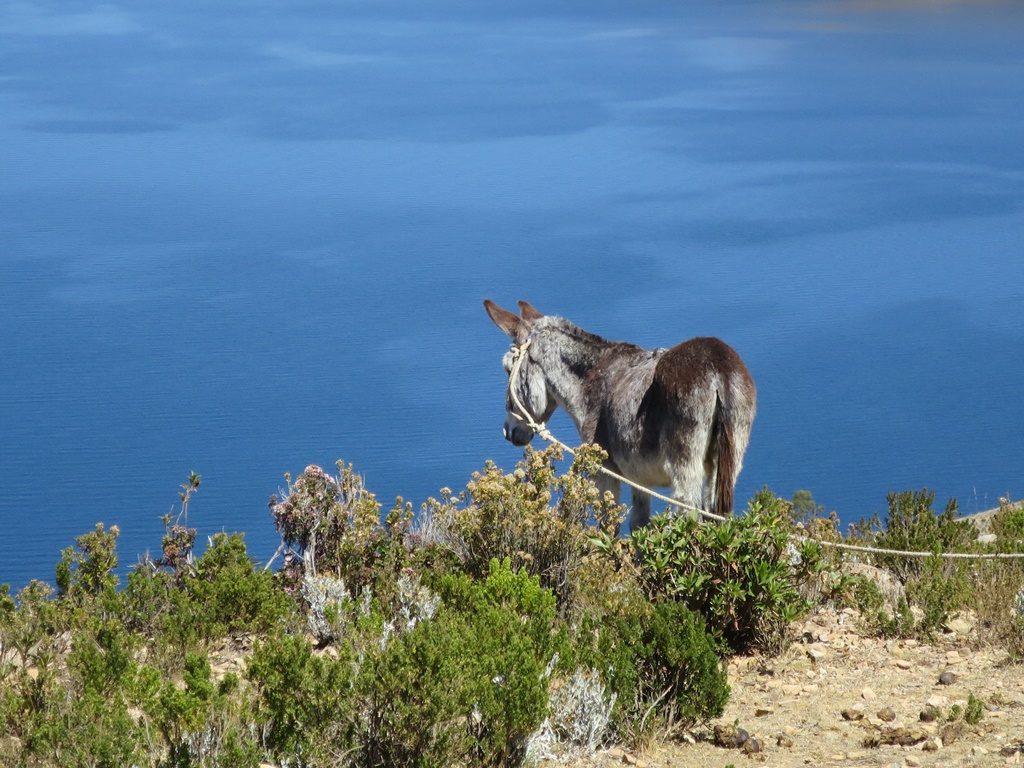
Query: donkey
(677, 417)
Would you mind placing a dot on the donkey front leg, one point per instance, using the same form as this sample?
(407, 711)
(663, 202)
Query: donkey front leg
(641, 513)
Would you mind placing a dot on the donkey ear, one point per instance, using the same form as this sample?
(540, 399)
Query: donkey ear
(507, 321)
(529, 312)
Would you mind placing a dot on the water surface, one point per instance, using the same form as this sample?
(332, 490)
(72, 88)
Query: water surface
(242, 238)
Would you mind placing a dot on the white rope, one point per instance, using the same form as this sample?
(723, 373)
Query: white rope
(910, 553)
(521, 413)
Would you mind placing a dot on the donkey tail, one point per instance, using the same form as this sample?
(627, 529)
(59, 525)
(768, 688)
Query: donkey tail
(734, 418)
(722, 444)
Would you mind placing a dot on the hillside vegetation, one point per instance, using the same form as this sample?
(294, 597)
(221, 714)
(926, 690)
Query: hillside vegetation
(506, 625)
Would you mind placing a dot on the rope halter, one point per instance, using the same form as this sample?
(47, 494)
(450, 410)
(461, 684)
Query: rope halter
(521, 412)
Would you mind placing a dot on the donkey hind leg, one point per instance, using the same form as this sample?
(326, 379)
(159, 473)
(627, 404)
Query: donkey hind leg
(641, 512)
(710, 480)
(688, 471)
(688, 479)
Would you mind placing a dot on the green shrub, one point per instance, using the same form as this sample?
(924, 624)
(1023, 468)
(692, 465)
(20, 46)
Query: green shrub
(998, 602)
(201, 721)
(304, 702)
(974, 710)
(876, 616)
(1008, 526)
(515, 593)
(936, 587)
(87, 731)
(939, 590)
(742, 575)
(912, 525)
(466, 685)
(680, 660)
(335, 524)
(87, 569)
(69, 705)
(230, 594)
(659, 662)
(936, 594)
(414, 697)
(533, 517)
(510, 639)
(457, 689)
(222, 594)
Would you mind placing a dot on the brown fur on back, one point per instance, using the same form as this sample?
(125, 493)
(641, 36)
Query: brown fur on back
(710, 368)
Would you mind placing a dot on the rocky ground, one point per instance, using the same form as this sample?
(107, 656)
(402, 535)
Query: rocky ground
(835, 698)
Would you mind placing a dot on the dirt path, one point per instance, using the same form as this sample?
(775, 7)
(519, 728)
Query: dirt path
(835, 698)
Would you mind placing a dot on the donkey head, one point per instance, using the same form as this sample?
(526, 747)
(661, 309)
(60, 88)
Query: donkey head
(530, 386)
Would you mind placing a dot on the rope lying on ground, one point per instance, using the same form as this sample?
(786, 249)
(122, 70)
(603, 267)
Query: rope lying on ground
(521, 413)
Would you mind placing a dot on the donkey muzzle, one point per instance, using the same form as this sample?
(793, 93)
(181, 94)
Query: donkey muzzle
(517, 434)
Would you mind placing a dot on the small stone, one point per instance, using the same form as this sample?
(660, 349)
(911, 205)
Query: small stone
(762, 711)
(979, 750)
(910, 643)
(616, 753)
(911, 762)
(867, 694)
(730, 736)
(887, 714)
(952, 656)
(853, 714)
(947, 678)
(904, 737)
(950, 732)
(932, 745)
(816, 654)
(959, 626)
(809, 688)
(789, 689)
(752, 746)
(902, 663)
(937, 701)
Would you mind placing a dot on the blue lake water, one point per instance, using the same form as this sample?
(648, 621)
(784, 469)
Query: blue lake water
(243, 237)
